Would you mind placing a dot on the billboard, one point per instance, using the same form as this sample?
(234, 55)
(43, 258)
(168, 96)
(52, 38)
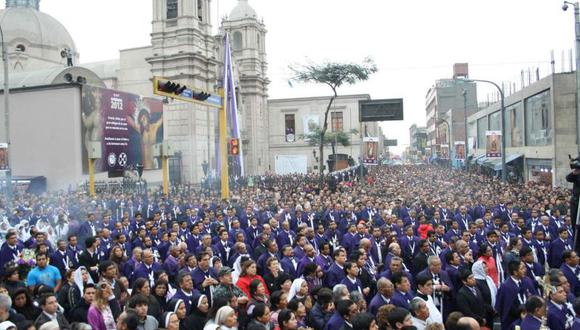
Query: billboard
(371, 150)
(380, 110)
(493, 144)
(127, 125)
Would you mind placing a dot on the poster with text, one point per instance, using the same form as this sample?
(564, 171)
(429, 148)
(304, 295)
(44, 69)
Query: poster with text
(371, 150)
(127, 126)
(493, 144)
(459, 150)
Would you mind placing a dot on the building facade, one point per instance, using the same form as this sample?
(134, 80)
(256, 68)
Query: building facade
(446, 103)
(540, 130)
(182, 49)
(417, 142)
(292, 120)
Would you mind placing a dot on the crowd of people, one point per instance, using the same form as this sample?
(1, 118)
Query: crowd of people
(408, 247)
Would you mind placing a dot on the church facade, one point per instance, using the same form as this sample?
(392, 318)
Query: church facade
(182, 49)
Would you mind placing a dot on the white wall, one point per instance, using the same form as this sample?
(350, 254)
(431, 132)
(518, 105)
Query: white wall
(45, 134)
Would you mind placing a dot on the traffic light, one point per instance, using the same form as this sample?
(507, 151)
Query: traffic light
(168, 86)
(234, 147)
(201, 96)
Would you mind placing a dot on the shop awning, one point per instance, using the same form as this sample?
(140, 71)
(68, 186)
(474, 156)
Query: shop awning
(495, 163)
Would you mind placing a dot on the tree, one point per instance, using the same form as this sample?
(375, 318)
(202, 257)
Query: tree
(333, 138)
(334, 75)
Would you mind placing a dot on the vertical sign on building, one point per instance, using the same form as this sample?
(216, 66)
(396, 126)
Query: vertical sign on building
(370, 150)
(493, 144)
(460, 150)
(4, 164)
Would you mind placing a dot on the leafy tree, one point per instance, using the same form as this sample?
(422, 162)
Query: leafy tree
(334, 75)
(332, 138)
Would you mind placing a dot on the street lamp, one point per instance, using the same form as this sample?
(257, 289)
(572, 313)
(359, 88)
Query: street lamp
(577, 33)
(7, 119)
(502, 96)
(464, 93)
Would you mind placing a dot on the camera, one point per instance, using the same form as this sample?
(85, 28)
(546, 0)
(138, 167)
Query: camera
(574, 162)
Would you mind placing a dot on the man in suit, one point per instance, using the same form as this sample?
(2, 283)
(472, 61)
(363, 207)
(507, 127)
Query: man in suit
(534, 312)
(442, 285)
(60, 258)
(10, 250)
(223, 248)
(385, 290)
(557, 317)
(147, 268)
(335, 273)
(576, 306)
(557, 248)
(50, 312)
(470, 300)
(571, 270)
(289, 263)
(420, 260)
(88, 228)
(511, 294)
(204, 277)
(402, 296)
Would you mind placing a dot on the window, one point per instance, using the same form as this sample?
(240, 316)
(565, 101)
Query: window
(238, 40)
(514, 125)
(289, 128)
(336, 121)
(495, 121)
(538, 112)
(200, 10)
(481, 128)
(171, 9)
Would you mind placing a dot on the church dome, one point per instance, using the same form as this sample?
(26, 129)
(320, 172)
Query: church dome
(243, 10)
(34, 28)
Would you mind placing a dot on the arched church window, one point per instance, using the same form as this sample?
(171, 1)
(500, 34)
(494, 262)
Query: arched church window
(238, 44)
(258, 40)
(171, 9)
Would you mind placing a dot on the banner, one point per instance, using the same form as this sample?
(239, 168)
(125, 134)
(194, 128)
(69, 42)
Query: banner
(459, 150)
(311, 123)
(290, 164)
(235, 163)
(493, 145)
(444, 151)
(127, 125)
(4, 164)
(370, 150)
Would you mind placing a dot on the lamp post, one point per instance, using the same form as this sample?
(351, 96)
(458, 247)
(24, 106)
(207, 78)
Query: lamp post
(464, 93)
(502, 97)
(7, 119)
(577, 34)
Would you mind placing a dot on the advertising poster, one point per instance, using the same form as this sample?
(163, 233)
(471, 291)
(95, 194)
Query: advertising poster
(459, 150)
(493, 144)
(4, 165)
(370, 150)
(445, 151)
(127, 125)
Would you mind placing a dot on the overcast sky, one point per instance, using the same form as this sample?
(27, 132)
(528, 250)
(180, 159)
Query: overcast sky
(413, 43)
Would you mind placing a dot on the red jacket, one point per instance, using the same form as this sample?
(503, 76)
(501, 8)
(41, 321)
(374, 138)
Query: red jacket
(244, 284)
